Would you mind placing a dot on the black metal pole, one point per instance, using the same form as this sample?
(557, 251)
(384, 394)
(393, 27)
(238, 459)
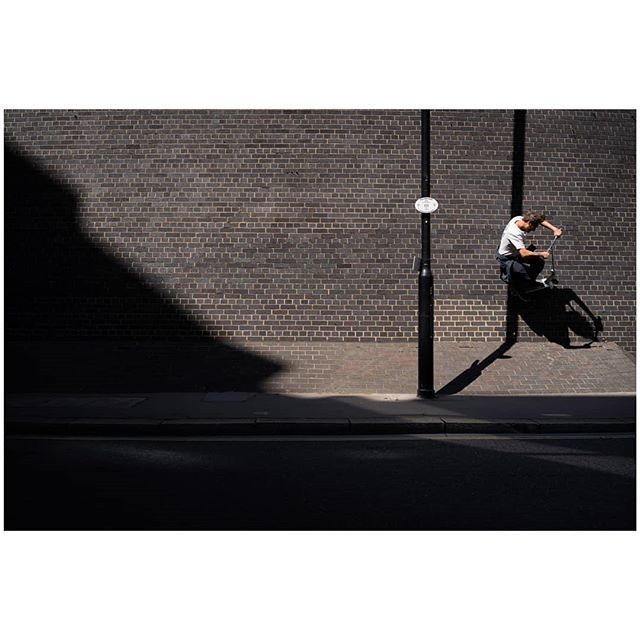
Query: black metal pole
(425, 279)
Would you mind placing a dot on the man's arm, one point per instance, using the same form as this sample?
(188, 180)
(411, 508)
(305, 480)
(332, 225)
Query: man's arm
(525, 253)
(556, 231)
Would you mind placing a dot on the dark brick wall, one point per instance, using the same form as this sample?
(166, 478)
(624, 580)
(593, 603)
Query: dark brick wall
(299, 225)
(579, 169)
(273, 225)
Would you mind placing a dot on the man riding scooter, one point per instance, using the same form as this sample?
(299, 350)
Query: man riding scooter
(520, 266)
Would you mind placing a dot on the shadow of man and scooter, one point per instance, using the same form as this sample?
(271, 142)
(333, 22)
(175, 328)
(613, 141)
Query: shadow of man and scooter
(557, 312)
(550, 310)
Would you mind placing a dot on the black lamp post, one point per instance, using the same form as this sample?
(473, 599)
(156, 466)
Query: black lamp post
(426, 206)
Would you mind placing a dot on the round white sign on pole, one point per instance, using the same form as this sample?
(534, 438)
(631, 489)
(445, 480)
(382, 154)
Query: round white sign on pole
(426, 205)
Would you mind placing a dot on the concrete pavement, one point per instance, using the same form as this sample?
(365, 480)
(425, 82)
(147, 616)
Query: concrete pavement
(264, 413)
(482, 388)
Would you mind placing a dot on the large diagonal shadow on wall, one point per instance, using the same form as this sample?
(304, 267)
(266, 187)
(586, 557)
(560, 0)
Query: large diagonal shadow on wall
(78, 320)
(475, 370)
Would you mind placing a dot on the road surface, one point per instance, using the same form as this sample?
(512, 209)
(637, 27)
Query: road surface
(411, 482)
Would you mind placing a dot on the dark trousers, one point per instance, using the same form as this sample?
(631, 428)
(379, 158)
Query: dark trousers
(519, 273)
(525, 273)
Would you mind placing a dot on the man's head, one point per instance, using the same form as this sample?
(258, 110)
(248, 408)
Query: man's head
(533, 220)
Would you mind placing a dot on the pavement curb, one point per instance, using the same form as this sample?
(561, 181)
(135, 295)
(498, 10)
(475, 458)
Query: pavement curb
(394, 425)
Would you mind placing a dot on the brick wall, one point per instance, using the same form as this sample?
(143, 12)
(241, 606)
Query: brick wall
(579, 169)
(299, 225)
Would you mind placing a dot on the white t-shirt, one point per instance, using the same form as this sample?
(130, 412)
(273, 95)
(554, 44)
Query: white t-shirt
(512, 239)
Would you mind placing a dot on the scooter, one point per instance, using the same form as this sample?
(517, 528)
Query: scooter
(542, 284)
(551, 280)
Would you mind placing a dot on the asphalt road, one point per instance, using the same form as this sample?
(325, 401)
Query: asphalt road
(322, 483)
